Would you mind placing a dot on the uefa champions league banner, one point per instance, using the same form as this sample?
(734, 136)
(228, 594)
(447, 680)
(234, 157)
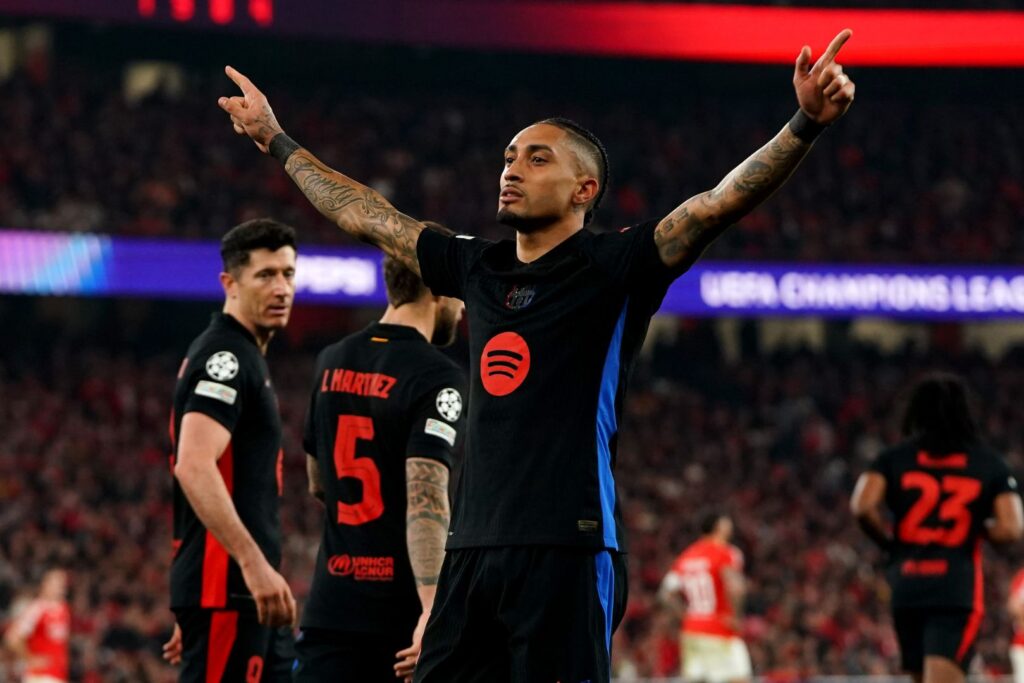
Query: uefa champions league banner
(38, 263)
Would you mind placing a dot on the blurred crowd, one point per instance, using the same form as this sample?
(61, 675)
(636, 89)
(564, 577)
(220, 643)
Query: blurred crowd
(775, 440)
(923, 178)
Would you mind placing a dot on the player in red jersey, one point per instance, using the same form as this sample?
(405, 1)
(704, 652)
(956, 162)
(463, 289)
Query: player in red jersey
(1015, 605)
(39, 634)
(947, 491)
(709, 575)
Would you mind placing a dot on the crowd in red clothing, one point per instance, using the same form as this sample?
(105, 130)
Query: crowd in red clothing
(777, 440)
(920, 177)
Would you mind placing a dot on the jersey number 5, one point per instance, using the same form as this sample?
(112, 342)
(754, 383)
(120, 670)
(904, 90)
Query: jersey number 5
(353, 428)
(955, 493)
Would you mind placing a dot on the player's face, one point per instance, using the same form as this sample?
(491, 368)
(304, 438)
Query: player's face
(540, 177)
(54, 585)
(446, 327)
(725, 527)
(266, 287)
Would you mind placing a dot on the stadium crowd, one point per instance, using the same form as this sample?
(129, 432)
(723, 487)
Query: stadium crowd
(777, 440)
(941, 180)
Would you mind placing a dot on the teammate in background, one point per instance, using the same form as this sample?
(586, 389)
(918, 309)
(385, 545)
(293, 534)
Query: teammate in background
(709, 574)
(533, 583)
(226, 592)
(1015, 606)
(946, 492)
(382, 424)
(39, 635)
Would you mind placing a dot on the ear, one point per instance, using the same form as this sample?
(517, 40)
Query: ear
(227, 281)
(585, 192)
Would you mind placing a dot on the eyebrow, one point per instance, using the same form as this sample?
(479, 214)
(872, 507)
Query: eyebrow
(532, 148)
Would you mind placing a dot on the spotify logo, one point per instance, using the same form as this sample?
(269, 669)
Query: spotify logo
(504, 363)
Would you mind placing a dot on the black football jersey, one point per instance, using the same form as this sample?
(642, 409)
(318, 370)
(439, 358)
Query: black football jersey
(551, 346)
(381, 396)
(940, 502)
(225, 377)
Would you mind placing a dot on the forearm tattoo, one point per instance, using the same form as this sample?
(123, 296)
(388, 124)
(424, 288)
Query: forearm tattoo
(358, 210)
(427, 516)
(688, 230)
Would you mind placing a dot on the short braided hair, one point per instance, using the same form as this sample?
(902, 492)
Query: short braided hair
(598, 154)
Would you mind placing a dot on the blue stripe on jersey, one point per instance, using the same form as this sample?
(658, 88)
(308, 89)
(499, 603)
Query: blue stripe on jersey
(606, 593)
(607, 426)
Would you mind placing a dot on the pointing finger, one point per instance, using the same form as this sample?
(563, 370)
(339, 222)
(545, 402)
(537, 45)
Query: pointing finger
(803, 61)
(834, 47)
(240, 80)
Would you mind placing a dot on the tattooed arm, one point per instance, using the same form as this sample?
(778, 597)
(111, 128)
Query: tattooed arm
(426, 529)
(426, 519)
(355, 208)
(824, 93)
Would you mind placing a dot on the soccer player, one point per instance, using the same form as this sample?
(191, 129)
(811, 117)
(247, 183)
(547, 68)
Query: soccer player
(383, 420)
(533, 581)
(227, 595)
(1015, 605)
(946, 492)
(709, 575)
(39, 634)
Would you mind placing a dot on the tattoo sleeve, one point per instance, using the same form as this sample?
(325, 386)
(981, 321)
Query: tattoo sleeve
(426, 518)
(358, 210)
(685, 233)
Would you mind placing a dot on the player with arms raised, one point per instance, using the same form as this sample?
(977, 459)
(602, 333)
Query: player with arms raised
(383, 420)
(709, 576)
(946, 492)
(533, 582)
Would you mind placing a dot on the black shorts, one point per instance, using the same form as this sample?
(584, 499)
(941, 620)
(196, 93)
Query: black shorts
(228, 646)
(936, 632)
(531, 614)
(323, 655)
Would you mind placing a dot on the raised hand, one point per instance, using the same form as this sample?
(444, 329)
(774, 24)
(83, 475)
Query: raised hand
(250, 113)
(823, 90)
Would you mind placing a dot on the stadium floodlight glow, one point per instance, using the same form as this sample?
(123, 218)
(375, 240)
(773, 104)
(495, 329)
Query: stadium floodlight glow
(39, 263)
(659, 30)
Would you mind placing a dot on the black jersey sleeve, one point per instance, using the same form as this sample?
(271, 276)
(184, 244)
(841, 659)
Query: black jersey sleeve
(882, 464)
(219, 377)
(445, 261)
(309, 426)
(439, 419)
(632, 258)
(1002, 480)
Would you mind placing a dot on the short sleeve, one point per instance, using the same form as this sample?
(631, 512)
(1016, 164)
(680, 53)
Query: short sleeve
(882, 465)
(217, 383)
(439, 420)
(1003, 480)
(631, 257)
(445, 261)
